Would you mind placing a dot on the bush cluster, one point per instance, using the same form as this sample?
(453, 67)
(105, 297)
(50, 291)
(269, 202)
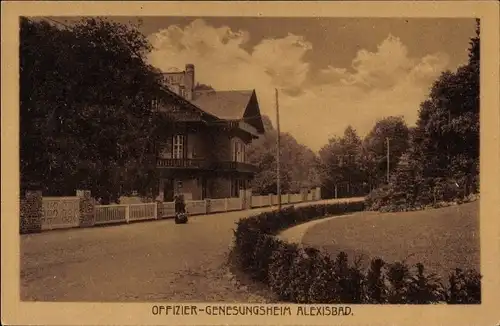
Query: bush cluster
(391, 198)
(307, 275)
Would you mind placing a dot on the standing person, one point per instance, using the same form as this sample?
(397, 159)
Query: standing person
(180, 206)
(179, 202)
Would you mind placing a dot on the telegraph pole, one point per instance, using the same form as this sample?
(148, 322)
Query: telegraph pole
(388, 163)
(278, 151)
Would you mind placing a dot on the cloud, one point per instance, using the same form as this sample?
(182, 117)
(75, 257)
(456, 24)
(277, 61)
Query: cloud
(313, 106)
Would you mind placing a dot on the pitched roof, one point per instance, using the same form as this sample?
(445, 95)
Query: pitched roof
(227, 105)
(182, 100)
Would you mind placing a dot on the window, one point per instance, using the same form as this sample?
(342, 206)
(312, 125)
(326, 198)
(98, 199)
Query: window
(238, 151)
(178, 146)
(155, 104)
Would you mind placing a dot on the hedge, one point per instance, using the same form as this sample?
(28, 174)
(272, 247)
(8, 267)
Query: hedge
(306, 275)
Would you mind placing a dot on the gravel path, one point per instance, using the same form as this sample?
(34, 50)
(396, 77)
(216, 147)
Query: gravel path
(148, 261)
(296, 234)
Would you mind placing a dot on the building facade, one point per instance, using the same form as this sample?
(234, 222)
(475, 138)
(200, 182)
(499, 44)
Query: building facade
(205, 155)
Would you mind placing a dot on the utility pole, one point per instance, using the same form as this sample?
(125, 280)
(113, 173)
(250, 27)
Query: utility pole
(388, 163)
(278, 151)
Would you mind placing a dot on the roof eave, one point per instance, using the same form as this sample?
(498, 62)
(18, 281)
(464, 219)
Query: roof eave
(189, 103)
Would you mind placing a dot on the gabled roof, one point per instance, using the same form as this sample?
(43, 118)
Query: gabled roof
(231, 105)
(227, 105)
(176, 97)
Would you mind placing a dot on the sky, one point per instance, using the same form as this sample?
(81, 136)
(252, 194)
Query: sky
(330, 72)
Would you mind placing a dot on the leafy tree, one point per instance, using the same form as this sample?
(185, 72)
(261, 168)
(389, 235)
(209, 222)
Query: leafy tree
(342, 164)
(375, 148)
(298, 164)
(85, 102)
(331, 175)
(447, 132)
(444, 145)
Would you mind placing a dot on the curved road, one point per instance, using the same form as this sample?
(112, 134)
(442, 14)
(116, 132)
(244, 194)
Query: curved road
(148, 261)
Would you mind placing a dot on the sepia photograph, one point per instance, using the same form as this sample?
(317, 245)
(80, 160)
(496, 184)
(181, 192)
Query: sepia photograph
(263, 165)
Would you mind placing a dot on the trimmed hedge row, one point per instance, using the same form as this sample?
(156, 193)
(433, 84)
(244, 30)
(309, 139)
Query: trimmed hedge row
(307, 275)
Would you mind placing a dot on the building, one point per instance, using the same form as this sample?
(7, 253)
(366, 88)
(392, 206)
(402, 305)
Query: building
(205, 156)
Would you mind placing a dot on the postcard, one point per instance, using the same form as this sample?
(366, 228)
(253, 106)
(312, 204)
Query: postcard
(250, 163)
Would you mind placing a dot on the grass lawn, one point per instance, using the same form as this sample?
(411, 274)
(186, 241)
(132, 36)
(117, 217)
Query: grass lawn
(442, 239)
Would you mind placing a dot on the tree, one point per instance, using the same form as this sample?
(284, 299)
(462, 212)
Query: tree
(342, 164)
(443, 156)
(447, 134)
(298, 164)
(85, 102)
(375, 148)
(331, 175)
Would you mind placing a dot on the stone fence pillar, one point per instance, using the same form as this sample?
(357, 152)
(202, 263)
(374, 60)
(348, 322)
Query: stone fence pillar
(31, 212)
(304, 193)
(318, 193)
(246, 198)
(87, 208)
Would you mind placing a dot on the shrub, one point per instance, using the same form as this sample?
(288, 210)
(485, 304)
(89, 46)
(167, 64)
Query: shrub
(398, 276)
(301, 275)
(464, 287)
(280, 265)
(403, 195)
(376, 291)
(324, 288)
(425, 288)
(307, 275)
(261, 258)
(378, 198)
(350, 280)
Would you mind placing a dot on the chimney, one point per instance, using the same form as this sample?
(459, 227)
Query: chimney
(189, 81)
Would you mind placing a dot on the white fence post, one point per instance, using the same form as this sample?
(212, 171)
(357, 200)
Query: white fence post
(207, 206)
(226, 204)
(156, 211)
(242, 198)
(270, 200)
(127, 213)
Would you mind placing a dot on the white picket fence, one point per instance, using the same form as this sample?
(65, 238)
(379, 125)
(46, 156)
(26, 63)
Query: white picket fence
(167, 209)
(234, 204)
(218, 205)
(140, 212)
(295, 198)
(196, 207)
(109, 214)
(64, 212)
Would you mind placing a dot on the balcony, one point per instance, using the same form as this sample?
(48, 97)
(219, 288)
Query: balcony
(203, 164)
(175, 163)
(235, 166)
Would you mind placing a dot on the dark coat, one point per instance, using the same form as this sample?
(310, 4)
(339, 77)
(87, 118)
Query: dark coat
(179, 203)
